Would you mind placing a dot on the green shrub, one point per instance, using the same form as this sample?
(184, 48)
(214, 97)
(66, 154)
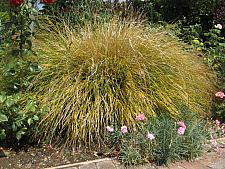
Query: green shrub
(165, 144)
(110, 73)
(189, 11)
(18, 112)
(18, 119)
(212, 44)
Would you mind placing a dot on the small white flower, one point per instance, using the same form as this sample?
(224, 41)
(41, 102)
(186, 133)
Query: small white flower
(150, 136)
(110, 129)
(218, 26)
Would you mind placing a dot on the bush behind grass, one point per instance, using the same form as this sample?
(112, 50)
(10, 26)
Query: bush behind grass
(107, 74)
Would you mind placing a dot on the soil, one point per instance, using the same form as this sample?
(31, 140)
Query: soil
(45, 156)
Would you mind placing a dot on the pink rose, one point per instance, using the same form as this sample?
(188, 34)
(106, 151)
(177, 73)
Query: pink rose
(110, 129)
(123, 129)
(181, 124)
(150, 136)
(140, 117)
(220, 95)
(181, 131)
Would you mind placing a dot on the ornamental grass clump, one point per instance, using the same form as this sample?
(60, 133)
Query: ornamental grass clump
(108, 74)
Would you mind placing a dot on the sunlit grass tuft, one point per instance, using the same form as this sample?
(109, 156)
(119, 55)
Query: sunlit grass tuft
(110, 73)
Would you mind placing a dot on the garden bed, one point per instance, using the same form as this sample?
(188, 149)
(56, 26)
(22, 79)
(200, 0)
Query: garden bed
(46, 156)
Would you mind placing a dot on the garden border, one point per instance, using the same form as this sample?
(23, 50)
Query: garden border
(110, 163)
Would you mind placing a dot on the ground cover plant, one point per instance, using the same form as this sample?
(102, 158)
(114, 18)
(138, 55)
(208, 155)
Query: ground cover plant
(110, 73)
(162, 140)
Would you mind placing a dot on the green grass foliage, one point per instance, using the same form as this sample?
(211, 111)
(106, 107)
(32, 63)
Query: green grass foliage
(107, 74)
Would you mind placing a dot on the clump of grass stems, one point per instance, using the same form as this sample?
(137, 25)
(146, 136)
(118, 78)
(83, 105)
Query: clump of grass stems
(107, 74)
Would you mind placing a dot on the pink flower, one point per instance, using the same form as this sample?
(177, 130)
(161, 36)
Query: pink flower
(140, 117)
(123, 129)
(150, 136)
(217, 122)
(181, 124)
(110, 129)
(181, 131)
(220, 95)
(49, 146)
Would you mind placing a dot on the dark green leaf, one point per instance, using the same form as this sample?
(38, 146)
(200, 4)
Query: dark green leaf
(9, 102)
(19, 134)
(2, 98)
(36, 118)
(2, 134)
(30, 121)
(14, 127)
(3, 118)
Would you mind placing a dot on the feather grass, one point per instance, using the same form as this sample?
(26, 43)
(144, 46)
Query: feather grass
(107, 74)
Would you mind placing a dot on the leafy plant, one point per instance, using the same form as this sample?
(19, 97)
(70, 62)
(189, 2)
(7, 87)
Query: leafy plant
(215, 46)
(109, 73)
(18, 113)
(212, 44)
(18, 119)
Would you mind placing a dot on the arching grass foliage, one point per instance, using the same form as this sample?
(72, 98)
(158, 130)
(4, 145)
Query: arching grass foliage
(107, 74)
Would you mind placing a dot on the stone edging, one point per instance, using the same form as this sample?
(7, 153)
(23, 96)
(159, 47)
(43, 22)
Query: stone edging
(81, 163)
